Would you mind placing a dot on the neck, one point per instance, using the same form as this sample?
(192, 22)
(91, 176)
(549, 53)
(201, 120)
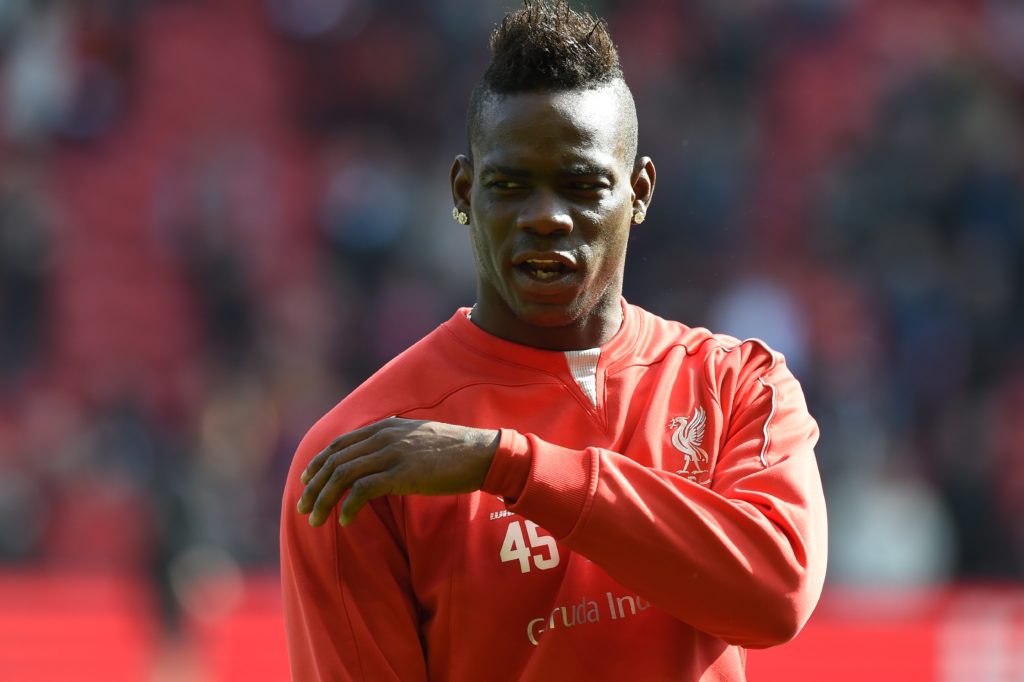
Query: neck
(590, 331)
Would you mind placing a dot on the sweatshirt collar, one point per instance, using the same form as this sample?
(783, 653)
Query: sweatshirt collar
(549, 360)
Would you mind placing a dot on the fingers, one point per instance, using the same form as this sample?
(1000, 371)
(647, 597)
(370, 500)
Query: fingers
(363, 490)
(337, 473)
(347, 477)
(340, 443)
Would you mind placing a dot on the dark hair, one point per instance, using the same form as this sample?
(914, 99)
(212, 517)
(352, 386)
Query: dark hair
(547, 45)
(550, 46)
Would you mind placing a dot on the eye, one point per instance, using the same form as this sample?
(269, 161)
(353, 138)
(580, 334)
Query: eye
(504, 184)
(586, 187)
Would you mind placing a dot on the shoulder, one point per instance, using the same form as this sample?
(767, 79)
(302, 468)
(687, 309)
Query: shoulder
(657, 335)
(423, 376)
(413, 378)
(730, 367)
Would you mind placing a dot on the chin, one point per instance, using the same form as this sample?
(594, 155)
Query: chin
(549, 314)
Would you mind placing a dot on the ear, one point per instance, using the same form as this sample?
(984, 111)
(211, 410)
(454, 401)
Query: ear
(462, 182)
(642, 183)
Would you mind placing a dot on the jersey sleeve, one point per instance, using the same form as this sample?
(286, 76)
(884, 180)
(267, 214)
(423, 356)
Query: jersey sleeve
(743, 560)
(349, 608)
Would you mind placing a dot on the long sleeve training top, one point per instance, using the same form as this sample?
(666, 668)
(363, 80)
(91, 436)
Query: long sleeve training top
(648, 519)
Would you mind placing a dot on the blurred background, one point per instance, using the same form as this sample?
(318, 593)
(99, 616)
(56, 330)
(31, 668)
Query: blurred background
(219, 216)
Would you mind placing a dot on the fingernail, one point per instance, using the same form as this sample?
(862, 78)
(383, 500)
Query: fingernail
(304, 478)
(343, 520)
(312, 520)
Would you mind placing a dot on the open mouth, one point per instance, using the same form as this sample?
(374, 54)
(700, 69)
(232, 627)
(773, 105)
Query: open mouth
(543, 269)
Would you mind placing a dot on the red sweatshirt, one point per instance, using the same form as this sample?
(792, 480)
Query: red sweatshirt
(650, 536)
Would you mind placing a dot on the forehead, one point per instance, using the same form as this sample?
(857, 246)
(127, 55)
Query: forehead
(551, 126)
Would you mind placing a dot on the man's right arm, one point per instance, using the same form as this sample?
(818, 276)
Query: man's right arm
(742, 559)
(349, 608)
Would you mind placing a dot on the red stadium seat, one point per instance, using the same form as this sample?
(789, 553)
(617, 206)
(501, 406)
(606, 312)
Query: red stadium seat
(61, 627)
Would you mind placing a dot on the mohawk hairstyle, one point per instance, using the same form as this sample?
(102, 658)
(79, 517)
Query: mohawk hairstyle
(549, 46)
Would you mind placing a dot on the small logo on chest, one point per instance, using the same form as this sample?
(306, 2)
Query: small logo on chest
(687, 436)
(500, 514)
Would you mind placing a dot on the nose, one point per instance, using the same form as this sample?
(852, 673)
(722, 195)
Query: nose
(544, 214)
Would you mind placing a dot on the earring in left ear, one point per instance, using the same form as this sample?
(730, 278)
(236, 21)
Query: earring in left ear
(460, 217)
(639, 217)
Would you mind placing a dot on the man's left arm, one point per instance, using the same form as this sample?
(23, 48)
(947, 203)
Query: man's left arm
(743, 560)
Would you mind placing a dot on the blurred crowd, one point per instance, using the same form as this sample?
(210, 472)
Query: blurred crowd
(218, 216)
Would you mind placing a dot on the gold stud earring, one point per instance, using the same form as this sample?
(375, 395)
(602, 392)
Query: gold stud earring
(639, 216)
(460, 217)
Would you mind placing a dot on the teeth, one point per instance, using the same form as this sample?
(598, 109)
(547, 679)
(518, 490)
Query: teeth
(545, 268)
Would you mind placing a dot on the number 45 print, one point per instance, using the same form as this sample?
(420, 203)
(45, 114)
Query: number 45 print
(516, 547)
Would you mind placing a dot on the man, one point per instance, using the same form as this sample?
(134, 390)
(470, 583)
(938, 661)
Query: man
(554, 482)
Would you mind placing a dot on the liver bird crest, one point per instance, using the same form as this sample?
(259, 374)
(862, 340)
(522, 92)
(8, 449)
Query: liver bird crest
(687, 436)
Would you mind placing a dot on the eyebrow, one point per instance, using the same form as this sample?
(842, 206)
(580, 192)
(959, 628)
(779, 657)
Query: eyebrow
(582, 169)
(504, 170)
(573, 170)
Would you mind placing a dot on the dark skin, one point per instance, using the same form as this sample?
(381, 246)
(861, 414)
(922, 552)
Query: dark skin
(549, 180)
